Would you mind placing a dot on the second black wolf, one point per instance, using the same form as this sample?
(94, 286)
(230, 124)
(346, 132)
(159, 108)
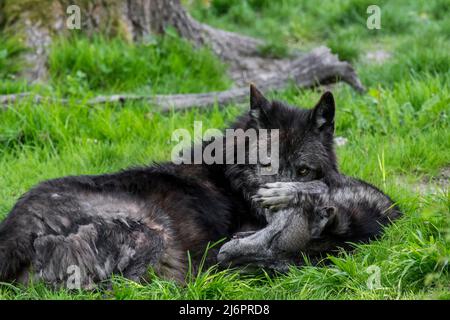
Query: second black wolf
(310, 218)
(150, 217)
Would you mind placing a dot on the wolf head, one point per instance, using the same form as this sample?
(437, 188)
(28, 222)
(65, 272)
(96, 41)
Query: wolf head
(305, 142)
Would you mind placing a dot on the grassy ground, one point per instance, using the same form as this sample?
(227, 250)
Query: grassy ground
(398, 135)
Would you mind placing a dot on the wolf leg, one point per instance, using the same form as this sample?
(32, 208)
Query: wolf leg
(259, 248)
(95, 251)
(50, 231)
(278, 195)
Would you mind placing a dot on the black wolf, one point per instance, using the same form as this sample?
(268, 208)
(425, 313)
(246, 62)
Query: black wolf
(152, 216)
(317, 214)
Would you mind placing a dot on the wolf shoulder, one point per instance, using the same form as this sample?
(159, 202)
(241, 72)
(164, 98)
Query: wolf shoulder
(353, 192)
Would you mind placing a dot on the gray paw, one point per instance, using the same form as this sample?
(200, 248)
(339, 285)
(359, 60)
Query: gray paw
(275, 195)
(228, 252)
(309, 187)
(278, 195)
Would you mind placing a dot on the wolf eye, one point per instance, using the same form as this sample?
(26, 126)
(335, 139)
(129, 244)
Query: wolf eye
(303, 172)
(265, 168)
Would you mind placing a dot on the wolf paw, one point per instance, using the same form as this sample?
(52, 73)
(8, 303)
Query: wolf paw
(278, 195)
(228, 252)
(275, 195)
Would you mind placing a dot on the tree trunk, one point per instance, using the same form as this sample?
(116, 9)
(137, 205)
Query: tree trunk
(136, 19)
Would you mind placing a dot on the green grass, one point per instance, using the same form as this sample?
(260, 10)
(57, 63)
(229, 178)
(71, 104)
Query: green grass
(11, 61)
(398, 132)
(161, 64)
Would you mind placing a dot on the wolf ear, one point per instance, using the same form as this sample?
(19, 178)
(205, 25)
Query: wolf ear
(323, 113)
(259, 105)
(331, 222)
(326, 218)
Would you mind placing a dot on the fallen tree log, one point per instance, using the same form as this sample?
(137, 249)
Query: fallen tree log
(319, 66)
